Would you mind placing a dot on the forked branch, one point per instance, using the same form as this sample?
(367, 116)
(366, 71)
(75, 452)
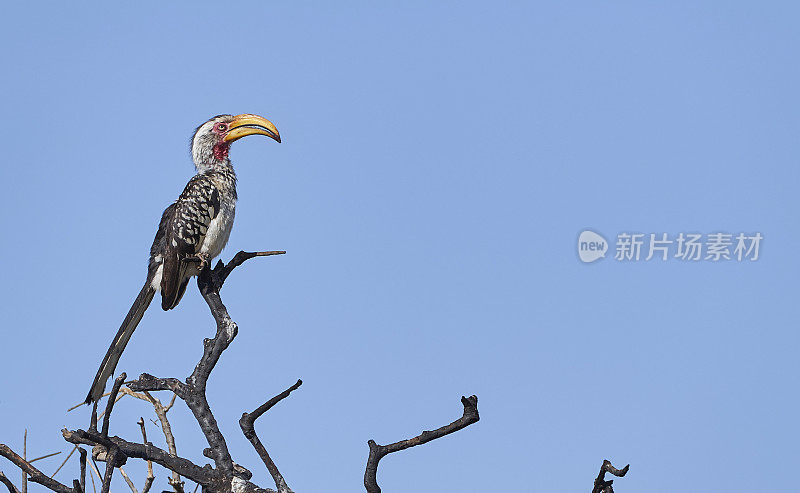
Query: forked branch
(247, 421)
(222, 271)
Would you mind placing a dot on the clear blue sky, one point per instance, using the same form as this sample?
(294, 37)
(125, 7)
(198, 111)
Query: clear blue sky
(437, 166)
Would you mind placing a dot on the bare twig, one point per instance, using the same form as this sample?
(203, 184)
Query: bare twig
(83, 469)
(222, 271)
(112, 399)
(36, 475)
(144, 431)
(176, 485)
(246, 422)
(128, 480)
(377, 452)
(161, 413)
(148, 482)
(93, 418)
(600, 483)
(44, 457)
(114, 458)
(65, 461)
(96, 472)
(171, 402)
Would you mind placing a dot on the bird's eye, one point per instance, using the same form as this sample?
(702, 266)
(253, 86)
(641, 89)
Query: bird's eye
(221, 127)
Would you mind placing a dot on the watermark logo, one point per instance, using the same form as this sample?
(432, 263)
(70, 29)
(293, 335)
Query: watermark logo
(690, 247)
(591, 246)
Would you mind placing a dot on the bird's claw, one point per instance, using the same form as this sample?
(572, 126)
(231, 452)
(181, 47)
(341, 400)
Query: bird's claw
(202, 259)
(205, 260)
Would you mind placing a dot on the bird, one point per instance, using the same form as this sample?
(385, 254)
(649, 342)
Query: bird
(192, 231)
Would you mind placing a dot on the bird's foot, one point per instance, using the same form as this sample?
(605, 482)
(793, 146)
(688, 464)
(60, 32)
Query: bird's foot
(203, 260)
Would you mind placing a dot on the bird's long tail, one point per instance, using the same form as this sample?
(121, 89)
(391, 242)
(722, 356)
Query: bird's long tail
(120, 341)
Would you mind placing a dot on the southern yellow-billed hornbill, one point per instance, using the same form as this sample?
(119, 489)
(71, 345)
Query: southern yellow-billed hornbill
(192, 231)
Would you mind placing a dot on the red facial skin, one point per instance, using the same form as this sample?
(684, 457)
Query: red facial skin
(221, 151)
(221, 148)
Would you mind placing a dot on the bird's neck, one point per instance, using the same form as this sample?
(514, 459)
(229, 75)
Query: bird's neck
(224, 165)
(207, 155)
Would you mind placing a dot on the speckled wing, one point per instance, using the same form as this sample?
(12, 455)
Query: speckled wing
(195, 208)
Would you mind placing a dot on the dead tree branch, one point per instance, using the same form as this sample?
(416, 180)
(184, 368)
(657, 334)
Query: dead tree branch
(225, 476)
(247, 421)
(82, 480)
(114, 457)
(8, 483)
(600, 483)
(193, 390)
(112, 399)
(222, 271)
(148, 482)
(34, 474)
(146, 451)
(128, 480)
(65, 461)
(44, 457)
(91, 476)
(161, 413)
(377, 452)
(96, 474)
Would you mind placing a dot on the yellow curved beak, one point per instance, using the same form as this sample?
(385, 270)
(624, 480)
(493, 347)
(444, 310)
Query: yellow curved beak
(247, 124)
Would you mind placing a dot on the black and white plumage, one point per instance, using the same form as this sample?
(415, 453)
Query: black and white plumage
(192, 231)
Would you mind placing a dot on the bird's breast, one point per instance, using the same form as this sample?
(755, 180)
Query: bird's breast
(219, 230)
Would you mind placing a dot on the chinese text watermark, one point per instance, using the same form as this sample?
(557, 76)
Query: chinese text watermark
(691, 247)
